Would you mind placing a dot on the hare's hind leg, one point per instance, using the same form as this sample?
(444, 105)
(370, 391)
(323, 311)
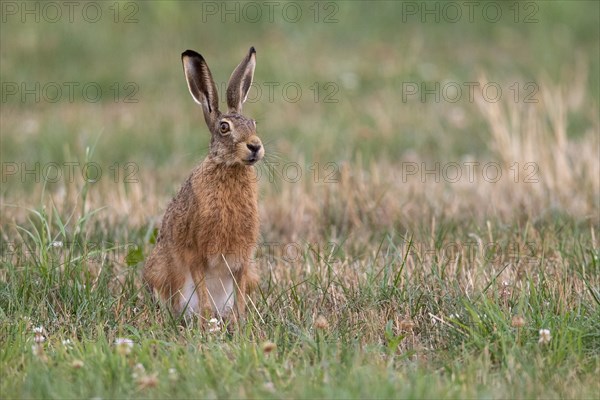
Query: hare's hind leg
(169, 276)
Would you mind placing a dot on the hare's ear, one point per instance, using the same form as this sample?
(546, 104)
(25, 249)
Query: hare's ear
(240, 81)
(201, 85)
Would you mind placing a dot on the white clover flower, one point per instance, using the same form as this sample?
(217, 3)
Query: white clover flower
(124, 345)
(39, 334)
(124, 341)
(173, 376)
(545, 336)
(138, 371)
(214, 325)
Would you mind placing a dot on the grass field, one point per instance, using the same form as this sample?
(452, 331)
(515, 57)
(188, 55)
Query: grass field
(430, 199)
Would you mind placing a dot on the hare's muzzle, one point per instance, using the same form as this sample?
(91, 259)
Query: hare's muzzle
(254, 150)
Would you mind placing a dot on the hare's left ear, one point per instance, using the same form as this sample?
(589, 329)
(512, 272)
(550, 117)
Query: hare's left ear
(240, 81)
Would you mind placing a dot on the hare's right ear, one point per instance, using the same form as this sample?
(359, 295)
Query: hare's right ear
(201, 85)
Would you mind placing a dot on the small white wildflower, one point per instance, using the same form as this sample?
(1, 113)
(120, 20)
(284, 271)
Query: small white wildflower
(38, 351)
(39, 334)
(269, 387)
(67, 343)
(56, 243)
(545, 336)
(124, 345)
(214, 325)
(173, 374)
(138, 371)
(124, 341)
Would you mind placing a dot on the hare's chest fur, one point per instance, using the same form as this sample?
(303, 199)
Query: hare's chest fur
(228, 221)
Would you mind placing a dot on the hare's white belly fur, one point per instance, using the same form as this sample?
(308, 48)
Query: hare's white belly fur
(189, 297)
(219, 284)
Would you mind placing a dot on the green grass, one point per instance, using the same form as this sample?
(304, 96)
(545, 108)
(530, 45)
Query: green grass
(391, 333)
(371, 286)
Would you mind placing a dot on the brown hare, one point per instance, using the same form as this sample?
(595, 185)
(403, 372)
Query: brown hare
(202, 259)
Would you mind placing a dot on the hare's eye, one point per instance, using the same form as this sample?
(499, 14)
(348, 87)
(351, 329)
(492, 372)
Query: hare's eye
(224, 128)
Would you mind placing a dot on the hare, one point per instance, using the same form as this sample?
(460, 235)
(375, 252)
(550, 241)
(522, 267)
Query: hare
(202, 259)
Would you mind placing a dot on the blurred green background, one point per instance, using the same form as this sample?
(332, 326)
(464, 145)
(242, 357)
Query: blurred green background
(339, 73)
(349, 59)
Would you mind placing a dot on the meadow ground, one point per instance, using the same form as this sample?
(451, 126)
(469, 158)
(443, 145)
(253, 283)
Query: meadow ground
(429, 201)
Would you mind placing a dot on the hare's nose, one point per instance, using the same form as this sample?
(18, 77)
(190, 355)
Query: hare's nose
(253, 147)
